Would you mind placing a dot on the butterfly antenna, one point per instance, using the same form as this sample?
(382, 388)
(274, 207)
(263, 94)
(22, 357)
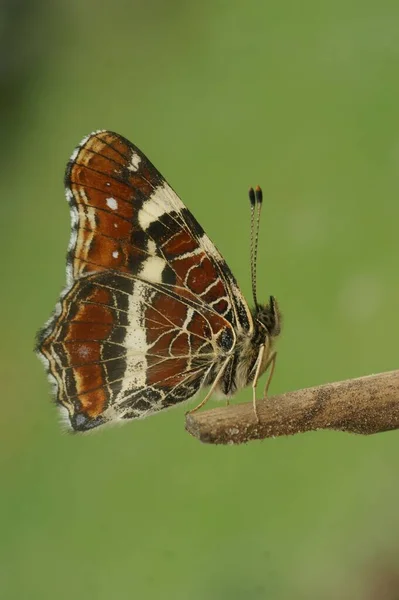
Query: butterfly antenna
(255, 199)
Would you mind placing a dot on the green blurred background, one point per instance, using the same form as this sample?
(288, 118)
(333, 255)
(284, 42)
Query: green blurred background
(302, 98)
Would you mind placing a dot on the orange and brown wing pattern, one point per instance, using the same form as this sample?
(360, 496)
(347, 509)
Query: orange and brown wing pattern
(107, 180)
(123, 212)
(151, 309)
(120, 349)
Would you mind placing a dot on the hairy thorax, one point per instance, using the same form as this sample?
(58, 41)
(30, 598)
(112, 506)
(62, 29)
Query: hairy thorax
(250, 348)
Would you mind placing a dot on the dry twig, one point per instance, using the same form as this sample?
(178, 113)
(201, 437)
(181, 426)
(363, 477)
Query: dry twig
(365, 405)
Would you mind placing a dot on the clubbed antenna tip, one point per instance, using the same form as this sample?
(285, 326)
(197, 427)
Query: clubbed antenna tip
(259, 194)
(251, 195)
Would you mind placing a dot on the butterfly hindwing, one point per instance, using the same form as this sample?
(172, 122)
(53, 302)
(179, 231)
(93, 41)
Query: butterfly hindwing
(122, 349)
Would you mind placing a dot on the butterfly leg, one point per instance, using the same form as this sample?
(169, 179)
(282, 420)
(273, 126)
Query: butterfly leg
(212, 388)
(271, 361)
(255, 379)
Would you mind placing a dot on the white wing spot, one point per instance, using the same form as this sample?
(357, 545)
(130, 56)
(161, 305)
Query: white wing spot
(152, 269)
(151, 247)
(112, 203)
(115, 254)
(116, 225)
(108, 184)
(134, 162)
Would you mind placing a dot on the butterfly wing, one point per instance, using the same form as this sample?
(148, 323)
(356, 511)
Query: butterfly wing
(150, 306)
(121, 349)
(126, 217)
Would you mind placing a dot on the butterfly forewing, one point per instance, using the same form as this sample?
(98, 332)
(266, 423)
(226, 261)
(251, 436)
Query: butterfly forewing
(150, 307)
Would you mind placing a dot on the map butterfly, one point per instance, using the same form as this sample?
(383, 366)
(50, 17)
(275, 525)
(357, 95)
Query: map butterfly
(151, 312)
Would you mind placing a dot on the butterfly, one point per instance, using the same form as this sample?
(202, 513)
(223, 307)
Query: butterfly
(151, 312)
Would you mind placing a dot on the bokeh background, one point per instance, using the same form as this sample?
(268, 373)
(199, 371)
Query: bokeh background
(302, 98)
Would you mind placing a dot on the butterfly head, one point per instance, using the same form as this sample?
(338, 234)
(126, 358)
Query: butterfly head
(267, 318)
